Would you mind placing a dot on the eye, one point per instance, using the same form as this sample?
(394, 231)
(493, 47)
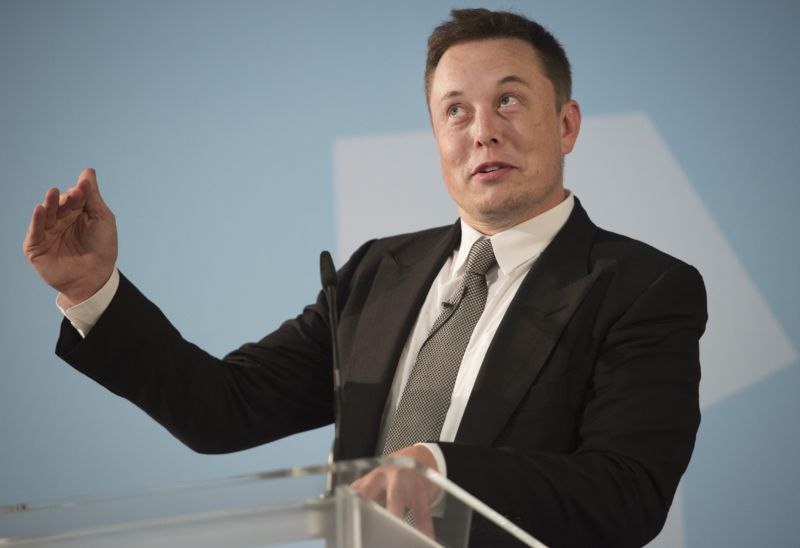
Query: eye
(508, 100)
(454, 111)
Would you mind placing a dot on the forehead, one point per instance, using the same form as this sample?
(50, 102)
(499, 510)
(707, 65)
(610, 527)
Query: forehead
(485, 61)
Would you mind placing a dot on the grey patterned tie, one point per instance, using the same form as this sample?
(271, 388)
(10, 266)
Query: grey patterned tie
(426, 396)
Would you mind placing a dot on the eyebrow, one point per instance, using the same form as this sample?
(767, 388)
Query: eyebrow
(511, 78)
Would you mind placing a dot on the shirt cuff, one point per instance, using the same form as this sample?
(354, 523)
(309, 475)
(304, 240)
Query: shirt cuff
(83, 316)
(438, 456)
(437, 505)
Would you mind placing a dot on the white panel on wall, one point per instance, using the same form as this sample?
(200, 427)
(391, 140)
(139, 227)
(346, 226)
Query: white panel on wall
(387, 184)
(631, 183)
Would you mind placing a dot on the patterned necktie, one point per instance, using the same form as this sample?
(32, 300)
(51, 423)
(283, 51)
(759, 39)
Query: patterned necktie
(426, 397)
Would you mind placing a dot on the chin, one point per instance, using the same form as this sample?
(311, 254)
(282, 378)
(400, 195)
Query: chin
(506, 214)
(499, 218)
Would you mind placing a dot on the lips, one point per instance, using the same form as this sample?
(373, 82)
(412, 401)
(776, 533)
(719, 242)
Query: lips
(488, 168)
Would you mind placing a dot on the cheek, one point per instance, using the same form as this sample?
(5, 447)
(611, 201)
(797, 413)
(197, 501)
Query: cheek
(451, 153)
(535, 134)
(542, 148)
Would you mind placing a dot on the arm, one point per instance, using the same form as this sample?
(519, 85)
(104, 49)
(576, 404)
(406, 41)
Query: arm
(213, 405)
(635, 433)
(277, 386)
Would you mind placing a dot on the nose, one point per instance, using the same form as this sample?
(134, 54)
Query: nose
(486, 128)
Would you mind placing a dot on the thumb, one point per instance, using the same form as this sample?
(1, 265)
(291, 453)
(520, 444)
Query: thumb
(87, 183)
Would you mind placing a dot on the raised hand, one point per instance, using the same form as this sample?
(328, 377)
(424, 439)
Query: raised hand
(72, 240)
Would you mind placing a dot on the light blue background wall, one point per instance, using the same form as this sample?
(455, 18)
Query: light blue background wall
(212, 126)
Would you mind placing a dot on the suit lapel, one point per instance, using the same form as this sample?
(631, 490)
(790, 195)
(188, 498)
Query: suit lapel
(543, 305)
(400, 286)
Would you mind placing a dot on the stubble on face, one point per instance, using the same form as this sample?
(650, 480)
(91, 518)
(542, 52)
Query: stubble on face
(497, 211)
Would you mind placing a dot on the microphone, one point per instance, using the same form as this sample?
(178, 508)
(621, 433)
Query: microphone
(327, 273)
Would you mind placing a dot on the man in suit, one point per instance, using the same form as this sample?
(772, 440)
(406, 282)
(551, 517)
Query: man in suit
(573, 408)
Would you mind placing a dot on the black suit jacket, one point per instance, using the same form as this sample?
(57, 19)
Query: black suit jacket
(582, 419)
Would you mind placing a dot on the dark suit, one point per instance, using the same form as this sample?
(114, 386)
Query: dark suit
(580, 424)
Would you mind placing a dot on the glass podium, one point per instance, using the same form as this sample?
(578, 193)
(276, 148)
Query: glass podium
(298, 508)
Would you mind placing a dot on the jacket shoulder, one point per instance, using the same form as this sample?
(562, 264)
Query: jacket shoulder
(405, 248)
(627, 252)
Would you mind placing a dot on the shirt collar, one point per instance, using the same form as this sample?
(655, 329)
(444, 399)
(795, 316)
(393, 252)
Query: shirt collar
(520, 243)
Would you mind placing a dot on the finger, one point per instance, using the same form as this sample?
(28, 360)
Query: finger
(421, 510)
(35, 232)
(372, 486)
(359, 487)
(58, 205)
(395, 498)
(50, 205)
(69, 201)
(87, 183)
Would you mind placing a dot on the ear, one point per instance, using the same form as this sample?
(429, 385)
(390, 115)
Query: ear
(570, 118)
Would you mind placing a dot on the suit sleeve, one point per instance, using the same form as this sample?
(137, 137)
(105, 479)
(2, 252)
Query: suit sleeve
(635, 436)
(265, 390)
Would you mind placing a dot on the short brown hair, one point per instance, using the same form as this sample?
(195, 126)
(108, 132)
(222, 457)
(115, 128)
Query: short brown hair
(470, 25)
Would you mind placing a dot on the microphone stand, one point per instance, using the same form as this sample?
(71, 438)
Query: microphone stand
(328, 277)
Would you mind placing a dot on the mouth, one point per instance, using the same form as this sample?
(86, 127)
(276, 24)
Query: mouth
(491, 169)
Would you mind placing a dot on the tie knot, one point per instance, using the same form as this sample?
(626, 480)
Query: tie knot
(481, 257)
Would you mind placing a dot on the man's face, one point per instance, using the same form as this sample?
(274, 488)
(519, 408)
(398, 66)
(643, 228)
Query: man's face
(501, 138)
